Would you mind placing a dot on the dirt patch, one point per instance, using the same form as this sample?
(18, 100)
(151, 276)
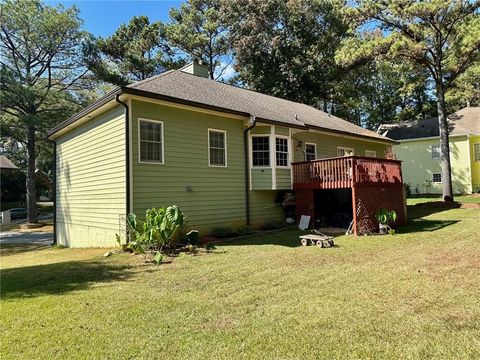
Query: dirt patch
(470, 206)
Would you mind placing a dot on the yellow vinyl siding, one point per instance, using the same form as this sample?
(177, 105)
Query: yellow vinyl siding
(418, 165)
(326, 145)
(475, 165)
(91, 181)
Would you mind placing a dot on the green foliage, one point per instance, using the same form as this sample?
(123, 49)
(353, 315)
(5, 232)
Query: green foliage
(198, 29)
(159, 228)
(134, 52)
(385, 216)
(136, 247)
(158, 258)
(39, 75)
(441, 37)
(286, 48)
(391, 232)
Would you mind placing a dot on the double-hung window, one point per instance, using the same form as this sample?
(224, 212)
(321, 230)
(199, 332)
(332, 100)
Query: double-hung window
(476, 152)
(261, 151)
(310, 152)
(281, 151)
(217, 148)
(435, 152)
(150, 141)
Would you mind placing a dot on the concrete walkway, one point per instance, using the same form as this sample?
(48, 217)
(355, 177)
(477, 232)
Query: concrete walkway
(26, 238)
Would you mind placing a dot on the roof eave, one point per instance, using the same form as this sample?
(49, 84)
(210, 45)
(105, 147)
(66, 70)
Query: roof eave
(97, 104)
(346, 133)
(132, 91)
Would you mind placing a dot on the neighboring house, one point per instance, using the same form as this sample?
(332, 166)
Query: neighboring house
(419, 150)
(6, 164)
(223, 154)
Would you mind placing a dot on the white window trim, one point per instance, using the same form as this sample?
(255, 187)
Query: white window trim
(371, 152)
(269, 150)
(346, 148)
(140, 161)
(475, 144)
(433, 177)
(315, 147)
(288, 151)
(439, 152)
(225, 150)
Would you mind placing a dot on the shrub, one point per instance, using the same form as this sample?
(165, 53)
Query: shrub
(385, 216)
(157, 231)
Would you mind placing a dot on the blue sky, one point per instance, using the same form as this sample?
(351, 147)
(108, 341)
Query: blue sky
(102, 18)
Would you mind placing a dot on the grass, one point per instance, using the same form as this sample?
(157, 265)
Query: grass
(428, 198)
(409, 296)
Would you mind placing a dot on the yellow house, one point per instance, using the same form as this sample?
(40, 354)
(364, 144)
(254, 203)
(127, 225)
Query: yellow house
(419, 150)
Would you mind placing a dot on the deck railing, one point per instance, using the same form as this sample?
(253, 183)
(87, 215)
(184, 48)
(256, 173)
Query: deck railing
(345, 172)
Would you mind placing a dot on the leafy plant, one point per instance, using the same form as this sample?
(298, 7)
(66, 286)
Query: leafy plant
(158, 258)
(385, 216)
(158, 230)
(391, 232)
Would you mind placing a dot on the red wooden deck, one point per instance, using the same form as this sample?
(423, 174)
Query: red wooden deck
(346, 172)
(375, 183)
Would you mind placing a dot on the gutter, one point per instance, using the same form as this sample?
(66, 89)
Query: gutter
(247, 170)
(54, 191)
(127, 155)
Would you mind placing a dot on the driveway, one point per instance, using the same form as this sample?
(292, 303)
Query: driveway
(26, 238)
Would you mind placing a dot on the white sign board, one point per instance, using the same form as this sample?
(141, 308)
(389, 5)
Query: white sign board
(304, 221)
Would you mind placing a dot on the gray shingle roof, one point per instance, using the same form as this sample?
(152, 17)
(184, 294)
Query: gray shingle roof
(188, 87)
(5, 163)
(463, 122)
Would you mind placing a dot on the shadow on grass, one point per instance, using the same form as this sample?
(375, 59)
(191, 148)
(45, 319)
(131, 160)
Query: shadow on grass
(419, 225)
(429, 208)
(13, 249)
(286, 237)
(57, 278)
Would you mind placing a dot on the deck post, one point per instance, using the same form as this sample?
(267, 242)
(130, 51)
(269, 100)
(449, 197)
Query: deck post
(354, 196)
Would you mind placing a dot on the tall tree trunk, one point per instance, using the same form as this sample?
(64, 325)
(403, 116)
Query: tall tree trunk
(447, 190)
(31, 185)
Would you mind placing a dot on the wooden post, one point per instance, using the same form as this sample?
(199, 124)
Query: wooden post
(354, 196)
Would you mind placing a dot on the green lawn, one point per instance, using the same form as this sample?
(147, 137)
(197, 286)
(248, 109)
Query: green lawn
(428, 198)
(414, 295)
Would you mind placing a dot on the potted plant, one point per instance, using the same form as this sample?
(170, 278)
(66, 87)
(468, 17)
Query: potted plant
(385, 218)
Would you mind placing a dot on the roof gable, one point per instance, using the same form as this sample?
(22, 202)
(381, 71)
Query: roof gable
(463, 122)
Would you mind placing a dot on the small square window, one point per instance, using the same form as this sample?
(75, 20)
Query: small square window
(281, 149)
(437, 178)
(476, 152)
(370, 153)
(435, 152)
